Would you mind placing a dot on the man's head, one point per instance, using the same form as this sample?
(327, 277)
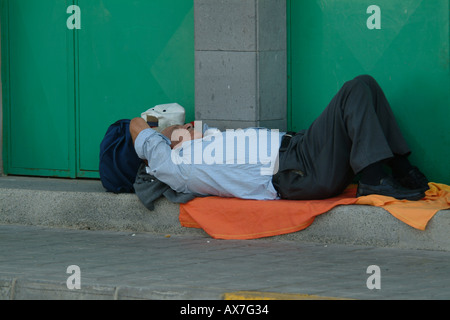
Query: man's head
(181, 133)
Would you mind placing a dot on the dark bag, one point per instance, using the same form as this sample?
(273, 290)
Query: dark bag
(119, 162)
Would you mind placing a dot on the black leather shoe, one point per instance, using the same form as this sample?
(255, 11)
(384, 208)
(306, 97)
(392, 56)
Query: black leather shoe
(415, 179)
(389, 187)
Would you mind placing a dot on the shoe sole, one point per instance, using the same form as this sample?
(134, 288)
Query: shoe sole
(412, 197)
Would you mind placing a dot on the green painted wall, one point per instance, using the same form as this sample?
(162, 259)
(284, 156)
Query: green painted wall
(66, 86)
(333, 41)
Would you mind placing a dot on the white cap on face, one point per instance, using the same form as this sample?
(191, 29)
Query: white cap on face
(165, 115)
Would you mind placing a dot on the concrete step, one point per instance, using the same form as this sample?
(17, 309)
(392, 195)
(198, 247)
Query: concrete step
(84, 205)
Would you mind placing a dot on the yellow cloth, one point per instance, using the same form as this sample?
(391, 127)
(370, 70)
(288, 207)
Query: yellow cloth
(417, 214)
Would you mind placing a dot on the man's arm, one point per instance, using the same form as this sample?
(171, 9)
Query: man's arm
(154, 149)
(137, 125)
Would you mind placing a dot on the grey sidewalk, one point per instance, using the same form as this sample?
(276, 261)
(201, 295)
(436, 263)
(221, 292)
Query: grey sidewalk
(118, 265)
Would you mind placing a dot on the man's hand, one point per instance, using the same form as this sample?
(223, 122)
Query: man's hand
(137, 125)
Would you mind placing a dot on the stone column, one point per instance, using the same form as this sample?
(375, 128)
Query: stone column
(241, 63)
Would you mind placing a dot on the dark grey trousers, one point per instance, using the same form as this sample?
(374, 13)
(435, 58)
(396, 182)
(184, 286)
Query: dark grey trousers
(356, 130)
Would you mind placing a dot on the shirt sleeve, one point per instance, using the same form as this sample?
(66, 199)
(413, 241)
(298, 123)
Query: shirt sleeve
(155, 148)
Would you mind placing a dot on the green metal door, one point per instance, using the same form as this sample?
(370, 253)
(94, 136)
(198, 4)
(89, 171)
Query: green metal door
(66, 86)
(37, 74)
(133, 55)
(404, 44)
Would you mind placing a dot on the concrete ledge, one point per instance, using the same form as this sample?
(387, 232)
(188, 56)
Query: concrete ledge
(83, 204)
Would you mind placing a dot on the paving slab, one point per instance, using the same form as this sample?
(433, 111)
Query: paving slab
(113, 265)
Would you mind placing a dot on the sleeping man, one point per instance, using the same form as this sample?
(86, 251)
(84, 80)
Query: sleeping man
(356, 134)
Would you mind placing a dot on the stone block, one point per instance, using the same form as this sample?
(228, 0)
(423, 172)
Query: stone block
(225, 86)
(225, 25)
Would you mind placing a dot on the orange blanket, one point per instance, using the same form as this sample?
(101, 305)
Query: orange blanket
(231, 218)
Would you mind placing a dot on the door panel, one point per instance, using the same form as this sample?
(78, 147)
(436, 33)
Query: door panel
(40, 110)
(132, 56)
(331, 43)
